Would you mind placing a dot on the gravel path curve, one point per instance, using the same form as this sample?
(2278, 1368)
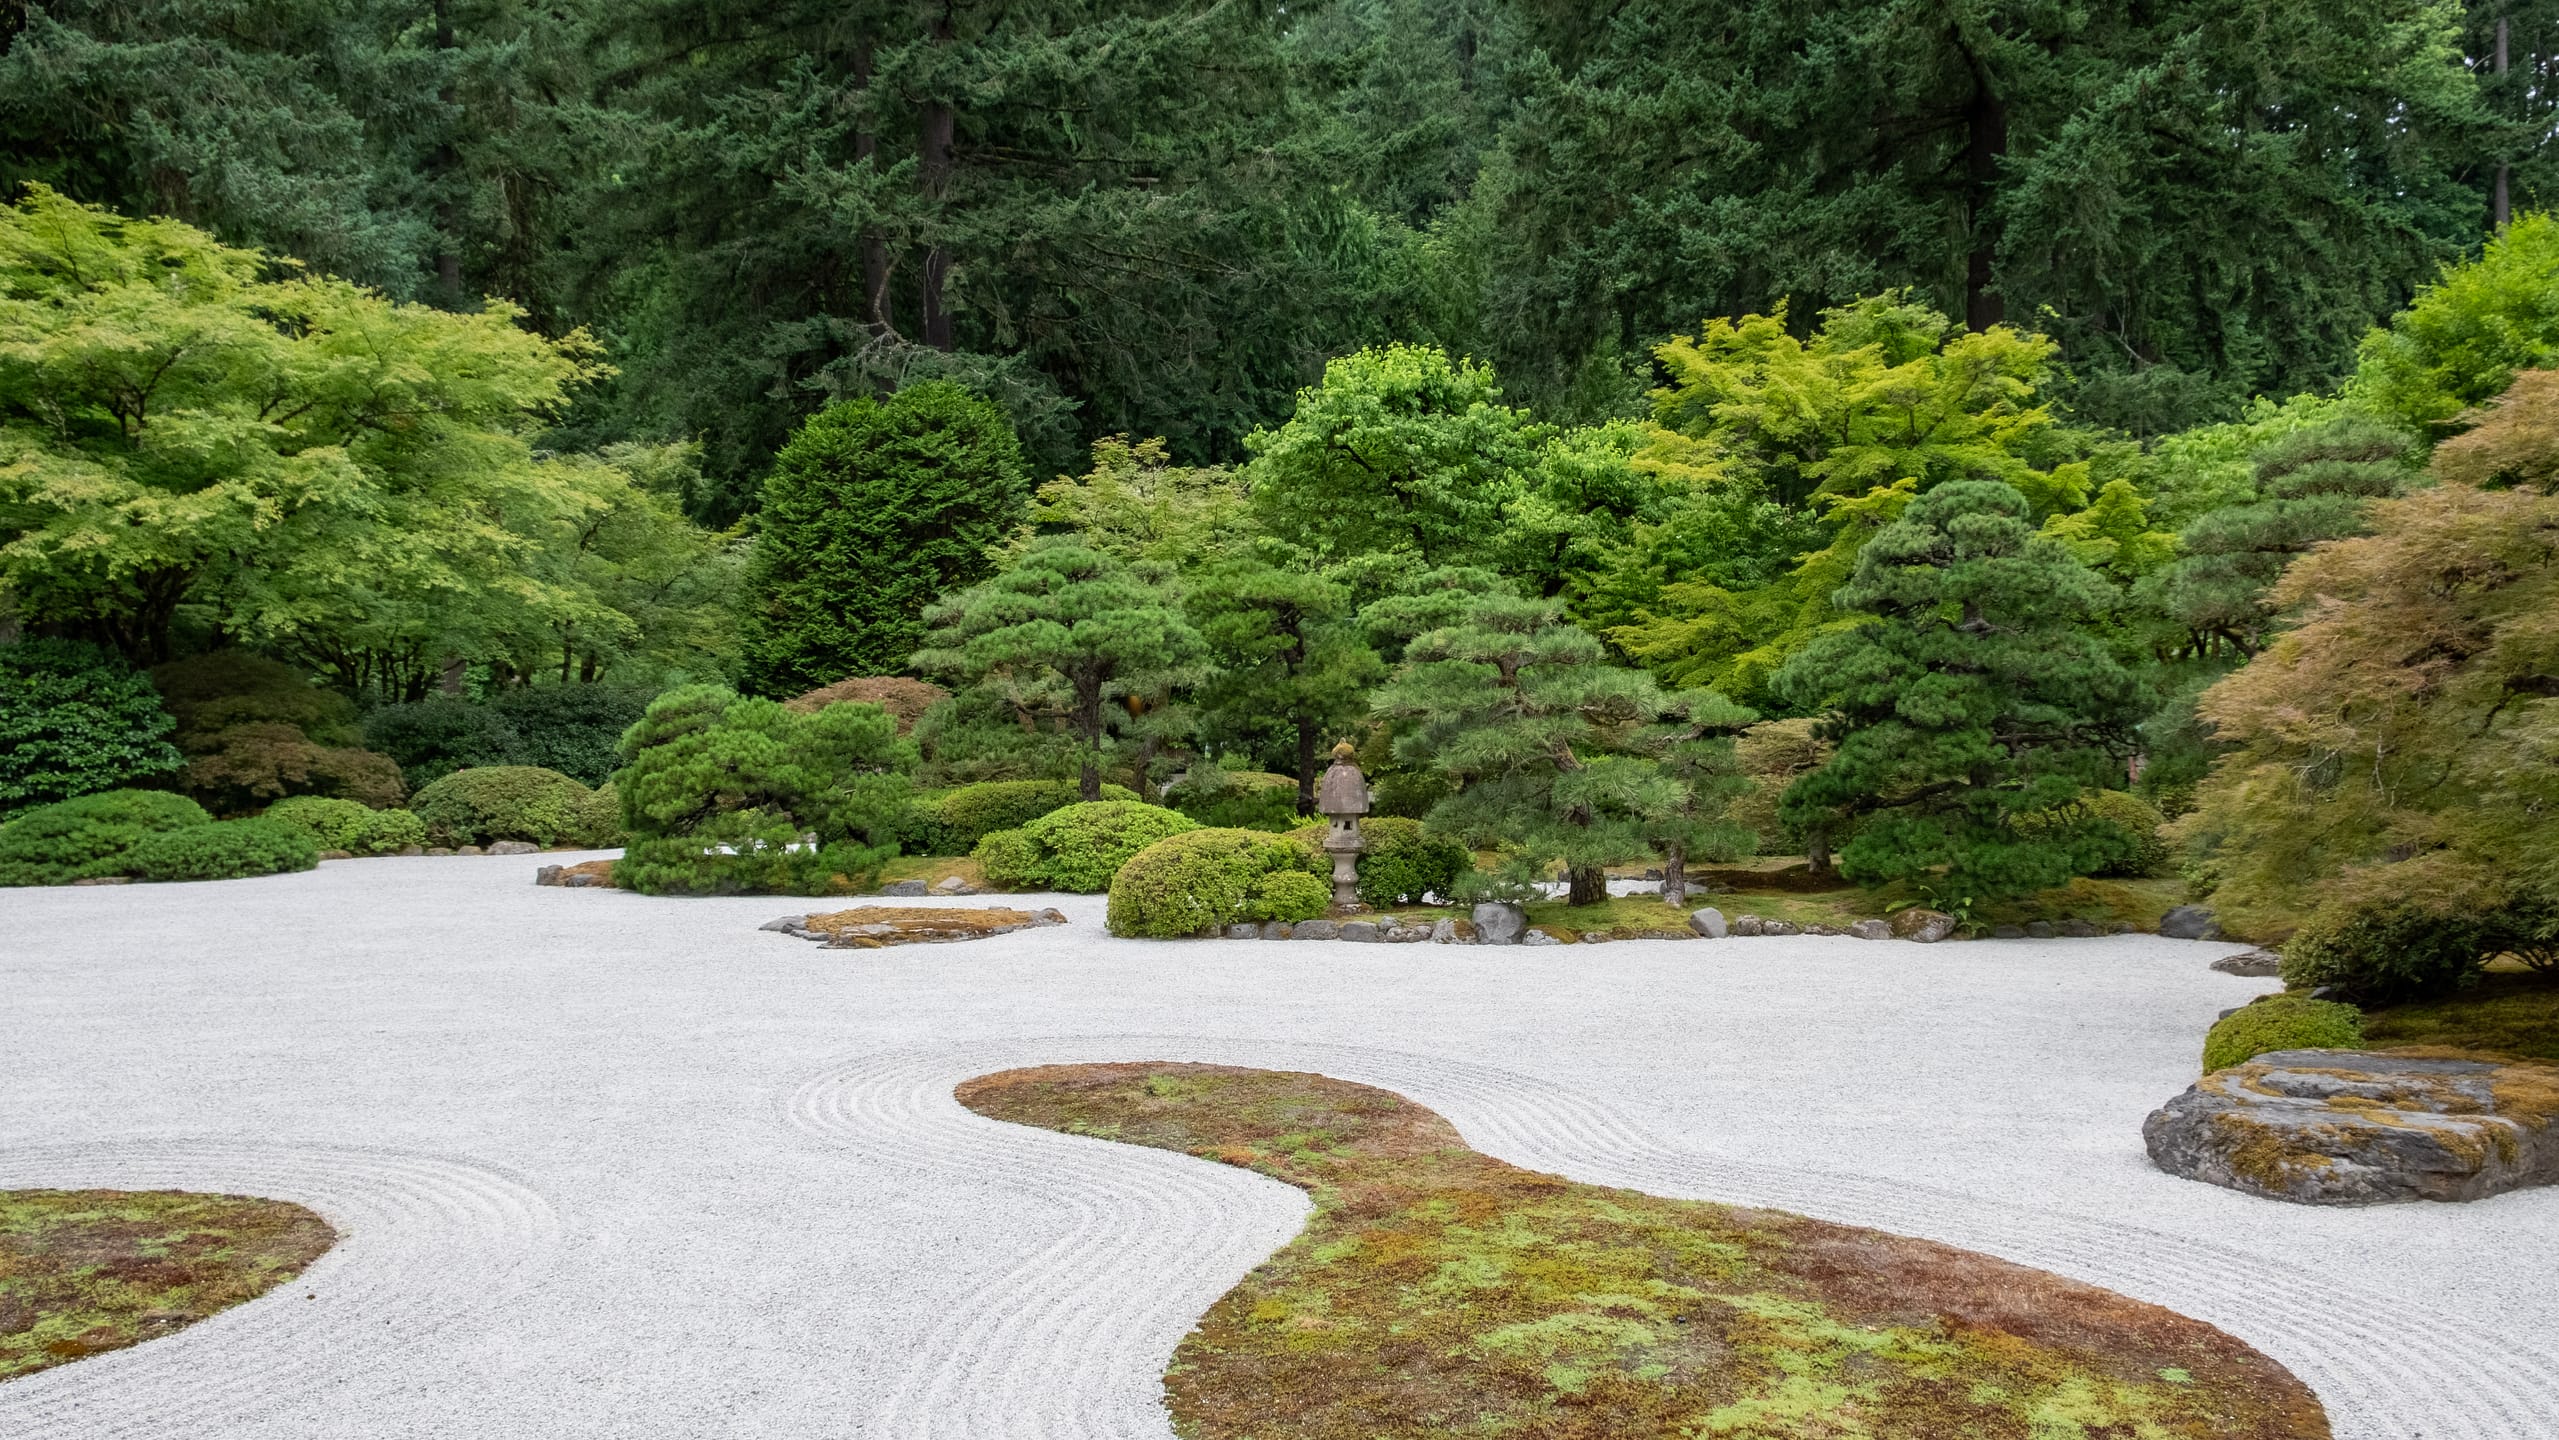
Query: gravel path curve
(613, 1166)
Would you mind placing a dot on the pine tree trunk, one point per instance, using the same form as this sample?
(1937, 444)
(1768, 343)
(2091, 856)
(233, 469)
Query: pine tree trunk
(1305, 767)
(1675, 875)
(937, 128)
(1589, 885)
(1987, 124)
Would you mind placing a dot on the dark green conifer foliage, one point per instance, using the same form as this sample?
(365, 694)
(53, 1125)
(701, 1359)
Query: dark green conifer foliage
(1060, 636)
(1973, 697)
(1287, 653)
(873, 510)
(1520, 710)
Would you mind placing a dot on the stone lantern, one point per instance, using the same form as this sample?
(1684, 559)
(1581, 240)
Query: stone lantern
(1342, 797)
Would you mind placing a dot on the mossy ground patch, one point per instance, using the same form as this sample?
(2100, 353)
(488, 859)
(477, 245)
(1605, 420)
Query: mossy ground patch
(869, 927)
(1440, 1292)
(87, 1271)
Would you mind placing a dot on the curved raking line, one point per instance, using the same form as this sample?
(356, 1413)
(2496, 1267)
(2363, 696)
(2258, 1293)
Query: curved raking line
(423, 1241)
(1000, 1362)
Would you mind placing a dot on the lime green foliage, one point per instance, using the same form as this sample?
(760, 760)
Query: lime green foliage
(346, 825)
(255, 731)
(2464, 337)
(318, 469)
(2385, 951)
(1057, 638)
(1235, 799)
(2284, 1022)
(1973, 699)
(88, 836)
(1400, 862)
(224, 850)
(1077, 848)
(1205, 878)
(726, 795)
(1136, 504)
(1437, 1292)
(2114, 536)
(83, 1272)
(873, 509)
(1400, 449)
(502, 802)
(952, 823)
(75, 719)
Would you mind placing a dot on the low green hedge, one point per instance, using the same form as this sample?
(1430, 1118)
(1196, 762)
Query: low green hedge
(1236, 799)
(349, 826)
(1076, 849)
(506, 802)
(90, 836)
(2387, 952)
(2119, 830)
(224, 850)
(1400, 863)
(1202, 879)
(2285, 1022)
(953, 822)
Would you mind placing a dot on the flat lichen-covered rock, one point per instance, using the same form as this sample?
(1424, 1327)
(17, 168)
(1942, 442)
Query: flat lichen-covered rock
(2351, 1127)
(869, 927)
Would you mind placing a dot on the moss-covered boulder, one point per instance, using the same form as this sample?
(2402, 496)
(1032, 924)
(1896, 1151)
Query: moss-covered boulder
(2350, 1127)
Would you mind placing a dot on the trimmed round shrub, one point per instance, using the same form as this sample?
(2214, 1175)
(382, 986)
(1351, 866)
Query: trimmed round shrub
(599, 823)
(574, 729)
(1011, 860)
(431, 739)
(1236, 799)
(1290, 895)
(2382, 953)
(1200, 880)
(1078, 848)
(955, 822)
(224, 850)
(2283, 1022)
(502, 802)
(89, 835)
(346, 825)
(76, 720)
(2131, 824)
(1400, 862)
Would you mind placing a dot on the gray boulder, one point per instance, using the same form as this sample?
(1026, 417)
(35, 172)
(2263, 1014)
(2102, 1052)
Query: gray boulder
(1243, 932)
(1278, 930)
(2256, 964)
(1709, 922)
(1499, 924)
(1925, 926)
(1364, 932)
(1749, 925)
(470, 850)
(1871, 930)
(2079, 929)
(1538, 937)
(2189, 922)
(1779, 927)
(2347, 1127)
(2007, 932)
(513, 847)
(904, 887)
(338, 854)
(788, 924)
(2040, 930)
(1444, 932)
(1316, 930)
(1406, 932)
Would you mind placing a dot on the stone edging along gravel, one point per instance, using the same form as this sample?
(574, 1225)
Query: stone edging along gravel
(423, 1241)
(1073, 1341)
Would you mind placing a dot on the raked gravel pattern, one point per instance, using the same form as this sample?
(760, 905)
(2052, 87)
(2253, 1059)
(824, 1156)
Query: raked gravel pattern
(613, 1166)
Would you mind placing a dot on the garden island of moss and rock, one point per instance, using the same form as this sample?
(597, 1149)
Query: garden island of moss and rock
(1044, 724)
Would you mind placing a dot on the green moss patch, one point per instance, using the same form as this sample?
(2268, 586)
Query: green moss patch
(86, 1271)
(2505, 1013)
(1439, 1292)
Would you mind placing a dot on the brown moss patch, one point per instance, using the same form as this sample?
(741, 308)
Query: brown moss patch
(1440, 1292)
(601, 872)
(87, 1271)
(869, 927)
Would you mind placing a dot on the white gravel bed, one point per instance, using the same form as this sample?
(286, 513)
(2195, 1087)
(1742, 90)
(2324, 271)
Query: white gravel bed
(615, 1166)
